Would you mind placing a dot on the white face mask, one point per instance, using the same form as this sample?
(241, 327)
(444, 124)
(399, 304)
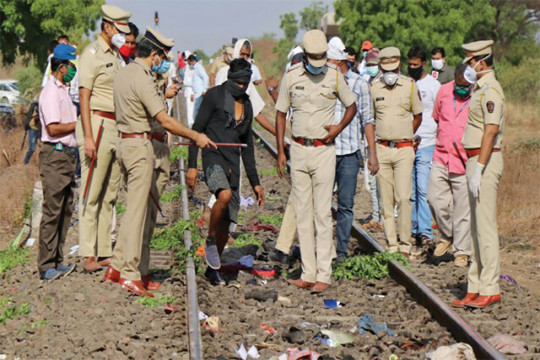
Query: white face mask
(390, 78)
(471, 75)
(437, 64)
(118, 40)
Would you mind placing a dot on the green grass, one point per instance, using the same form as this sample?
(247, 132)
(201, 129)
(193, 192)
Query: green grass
(367, 266)
(13, 311)
(120, 209)
(172, 238)
(178, 151)
(246, 239)
(174, 193)
(10, 258)
(275, 220)
(159, 300)
(268, 172)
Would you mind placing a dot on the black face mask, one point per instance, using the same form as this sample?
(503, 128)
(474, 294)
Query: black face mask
(415, 73)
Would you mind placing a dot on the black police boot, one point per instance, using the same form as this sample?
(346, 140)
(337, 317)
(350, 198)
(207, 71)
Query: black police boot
(213, 276)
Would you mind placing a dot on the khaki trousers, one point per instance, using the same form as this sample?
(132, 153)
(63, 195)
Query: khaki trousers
(160, 179)
(136, 160)
(394, 180)
(312, 174)
(484, 270)
(448, 198)
(288, 228)
(57, 170)
(96, 217)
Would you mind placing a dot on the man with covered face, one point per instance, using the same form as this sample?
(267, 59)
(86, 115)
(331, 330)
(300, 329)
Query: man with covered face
(225, 116)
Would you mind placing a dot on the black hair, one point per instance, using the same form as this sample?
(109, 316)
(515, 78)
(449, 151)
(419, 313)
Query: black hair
(133, 29)
(460, 70)
(488, 60)
(239, 64)
(145, 47)
(438, 50)
(56, 63)
(192, 58)
(247, 45)
(417, 52)
(63, 37)
(350, 50)
(52, 45)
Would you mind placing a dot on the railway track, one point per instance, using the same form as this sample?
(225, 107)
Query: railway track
(423, 284)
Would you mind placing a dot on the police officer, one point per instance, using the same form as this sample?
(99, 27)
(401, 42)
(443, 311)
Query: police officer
(137, 101)
(395, 97)
(162, 166)
(311, 88)
(99, 63)
(482, 141)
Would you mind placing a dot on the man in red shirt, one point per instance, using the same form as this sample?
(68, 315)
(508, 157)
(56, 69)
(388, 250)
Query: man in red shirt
(447, 190)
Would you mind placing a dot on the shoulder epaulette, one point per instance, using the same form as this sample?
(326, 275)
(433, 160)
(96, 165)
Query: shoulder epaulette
(295, 66)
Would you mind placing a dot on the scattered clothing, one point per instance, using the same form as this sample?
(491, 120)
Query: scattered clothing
(507, 345)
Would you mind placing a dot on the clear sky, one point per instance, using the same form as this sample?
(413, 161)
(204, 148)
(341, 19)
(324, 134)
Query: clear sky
(208, 24)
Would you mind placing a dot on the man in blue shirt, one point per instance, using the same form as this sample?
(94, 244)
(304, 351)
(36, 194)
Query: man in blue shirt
(200, 83)
(348, 145)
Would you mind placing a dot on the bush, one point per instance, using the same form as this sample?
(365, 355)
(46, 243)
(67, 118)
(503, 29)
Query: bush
(520, 83)
(29, 79)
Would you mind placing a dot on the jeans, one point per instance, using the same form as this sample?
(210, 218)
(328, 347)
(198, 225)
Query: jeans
(198, 101)
(347, 167)
(33, 136)
(421, 214)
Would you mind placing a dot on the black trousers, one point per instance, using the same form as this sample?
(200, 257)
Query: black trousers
(56, 169)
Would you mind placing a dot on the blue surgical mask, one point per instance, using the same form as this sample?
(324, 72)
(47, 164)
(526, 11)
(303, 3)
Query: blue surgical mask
(372, 70)
(163, 67)
(313, 70)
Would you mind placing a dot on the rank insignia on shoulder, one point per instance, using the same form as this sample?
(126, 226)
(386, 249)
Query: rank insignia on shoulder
(379, 99)
(109, 65)
(490, 106)
(299, 87)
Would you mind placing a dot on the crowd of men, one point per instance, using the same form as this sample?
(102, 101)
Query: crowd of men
(430, 145)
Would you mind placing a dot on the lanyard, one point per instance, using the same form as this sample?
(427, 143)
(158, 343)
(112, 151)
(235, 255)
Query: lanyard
(460, 110)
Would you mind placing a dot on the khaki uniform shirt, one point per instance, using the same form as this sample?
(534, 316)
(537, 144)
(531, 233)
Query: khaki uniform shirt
(486, 107)
(393, 106)
(137, 98)
(312, 99)
(217, 65)
(154, 124)
(98, 65)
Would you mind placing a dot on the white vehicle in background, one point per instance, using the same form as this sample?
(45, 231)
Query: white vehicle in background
(9, 92)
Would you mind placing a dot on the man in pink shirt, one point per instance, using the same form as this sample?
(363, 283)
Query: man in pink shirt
(447, 190)
(57, 163)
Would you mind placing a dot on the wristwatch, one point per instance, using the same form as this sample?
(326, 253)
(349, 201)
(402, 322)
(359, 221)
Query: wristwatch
(270, 89)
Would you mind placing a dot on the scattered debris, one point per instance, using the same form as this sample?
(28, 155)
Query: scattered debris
(268, 329)
(332, 304)
(507, 344)
(211, 324)
(202, 316)
(30, 242)
(245, 202)
(295, 354)
(460, 351)
(262, 295)
(74, 249)
(335, 338)
(510, 280)
(367, 324)
(243, 353)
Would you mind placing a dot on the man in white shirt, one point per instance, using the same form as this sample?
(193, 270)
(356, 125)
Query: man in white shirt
(427, 132)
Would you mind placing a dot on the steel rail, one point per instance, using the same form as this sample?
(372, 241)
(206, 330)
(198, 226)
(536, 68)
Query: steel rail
(194, 330)
(440, 311)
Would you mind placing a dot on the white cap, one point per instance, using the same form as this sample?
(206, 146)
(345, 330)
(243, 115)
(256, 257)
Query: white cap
(336, 49)
(295, 51)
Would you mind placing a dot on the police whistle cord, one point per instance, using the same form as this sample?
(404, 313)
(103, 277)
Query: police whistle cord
(156, 202)
(92, 164)
(218, 144)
